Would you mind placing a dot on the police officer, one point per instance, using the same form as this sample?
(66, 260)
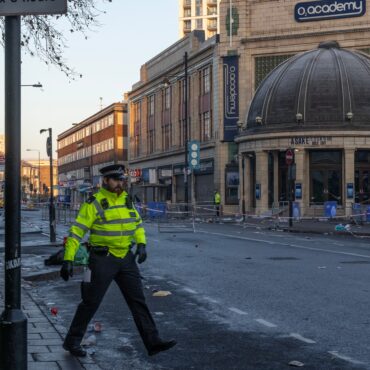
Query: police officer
(114, 224)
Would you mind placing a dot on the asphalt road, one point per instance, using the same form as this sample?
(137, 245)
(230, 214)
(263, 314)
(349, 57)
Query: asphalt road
(241, 298)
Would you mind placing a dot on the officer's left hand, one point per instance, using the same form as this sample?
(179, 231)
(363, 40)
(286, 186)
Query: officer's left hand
(141, 252)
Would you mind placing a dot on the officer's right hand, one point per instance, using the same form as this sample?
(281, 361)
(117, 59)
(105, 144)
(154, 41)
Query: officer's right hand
(67, 270)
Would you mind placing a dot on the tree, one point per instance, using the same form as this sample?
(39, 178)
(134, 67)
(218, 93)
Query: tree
(44, 36)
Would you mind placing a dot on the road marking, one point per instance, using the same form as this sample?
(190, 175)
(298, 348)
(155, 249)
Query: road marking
(156, 240)
(157, 277)
(266, 323)
(172, 283)
(210, 299)
(302, 339)
(190, 290)
(285, 244)
(236, 310)
(346, 358)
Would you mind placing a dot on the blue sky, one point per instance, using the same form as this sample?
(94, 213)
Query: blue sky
(131, 33)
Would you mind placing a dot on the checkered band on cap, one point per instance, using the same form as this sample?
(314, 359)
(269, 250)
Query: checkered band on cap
(113, 170)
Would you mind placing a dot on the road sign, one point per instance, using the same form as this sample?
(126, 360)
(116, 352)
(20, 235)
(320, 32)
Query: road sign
(289, 157)
(22, 7)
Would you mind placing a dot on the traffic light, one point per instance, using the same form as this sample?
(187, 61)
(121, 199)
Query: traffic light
(194, 154)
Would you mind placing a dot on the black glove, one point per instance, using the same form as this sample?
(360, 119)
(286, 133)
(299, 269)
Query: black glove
(67, 270)
(141, 252)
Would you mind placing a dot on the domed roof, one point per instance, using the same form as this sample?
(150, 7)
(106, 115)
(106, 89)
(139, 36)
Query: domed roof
(328, 88)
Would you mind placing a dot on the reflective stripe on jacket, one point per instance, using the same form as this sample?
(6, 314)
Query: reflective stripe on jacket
(110, 222)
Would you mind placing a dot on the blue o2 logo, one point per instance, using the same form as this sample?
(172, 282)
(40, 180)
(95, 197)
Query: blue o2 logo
(320, 10)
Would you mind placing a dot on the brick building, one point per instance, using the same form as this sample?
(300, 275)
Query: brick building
(97, 141)
(158, 124)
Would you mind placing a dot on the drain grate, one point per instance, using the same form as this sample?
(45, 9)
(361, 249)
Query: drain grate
(283, 258)
(356, 262)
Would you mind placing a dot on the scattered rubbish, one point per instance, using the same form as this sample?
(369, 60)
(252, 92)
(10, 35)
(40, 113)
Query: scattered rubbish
(98, 327)
(296, 363)
(155, 290)
(161, 293)
(54, 311)
(50, 303)
(340, 227)
(89, 341)
(321, 267)
(196, 245)
(158, 313)
(248, 258)
(56, 258)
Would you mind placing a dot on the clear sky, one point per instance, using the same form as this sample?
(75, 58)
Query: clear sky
(131, 33)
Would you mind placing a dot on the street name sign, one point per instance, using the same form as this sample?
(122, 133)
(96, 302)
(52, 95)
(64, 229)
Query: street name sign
(32, 7)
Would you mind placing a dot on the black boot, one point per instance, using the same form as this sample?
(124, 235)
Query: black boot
(74, 349)
(161, 346)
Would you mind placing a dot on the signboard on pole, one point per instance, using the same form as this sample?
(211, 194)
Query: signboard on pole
(22, 7)
(289, 157)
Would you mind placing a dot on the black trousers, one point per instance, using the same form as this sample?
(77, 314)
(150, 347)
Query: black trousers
(124, 271)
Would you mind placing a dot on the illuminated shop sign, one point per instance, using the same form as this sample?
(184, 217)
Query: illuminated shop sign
(320, 10)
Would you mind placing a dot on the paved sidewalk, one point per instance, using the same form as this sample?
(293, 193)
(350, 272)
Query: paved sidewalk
(45, 343)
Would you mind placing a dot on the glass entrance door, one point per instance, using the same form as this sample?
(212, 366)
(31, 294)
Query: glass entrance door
(362, 188)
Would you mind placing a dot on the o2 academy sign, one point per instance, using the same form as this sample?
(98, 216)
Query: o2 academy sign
(32, 7)
(329, 9)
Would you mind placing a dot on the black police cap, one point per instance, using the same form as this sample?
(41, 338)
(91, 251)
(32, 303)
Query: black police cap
(113, 170)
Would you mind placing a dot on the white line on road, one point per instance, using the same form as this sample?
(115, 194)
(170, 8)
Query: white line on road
(236, 310)
(266, 323)
(192, 291)
(346, 358)
(172, 283)
(285, 244)
(302, 339)
(210, 299)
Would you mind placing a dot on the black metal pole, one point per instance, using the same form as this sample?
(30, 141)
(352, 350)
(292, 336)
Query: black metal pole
(13, 323)
(52, 207)
(186, 131)
(39, 181)
(290, 177)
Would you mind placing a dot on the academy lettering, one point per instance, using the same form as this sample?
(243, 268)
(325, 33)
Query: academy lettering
(318, 10)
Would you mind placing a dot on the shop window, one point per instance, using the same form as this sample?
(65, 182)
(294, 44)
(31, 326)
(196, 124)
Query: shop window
(264, 65)
(325, 176)
(232, 186)
(362, 173)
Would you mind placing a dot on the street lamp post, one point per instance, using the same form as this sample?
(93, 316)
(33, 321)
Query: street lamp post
(49, 150)
(39, 175)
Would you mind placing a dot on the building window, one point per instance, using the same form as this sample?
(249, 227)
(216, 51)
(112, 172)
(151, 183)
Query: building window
(362, 176)
(199, 23)
(205, 126)
(264, 65)
(187, 13)
(166, 133)
(325, 176)
(205, 81)
(231, 185)
(151, 123)
(198, 11)
(136, 128)
(167, 98)
(187, 25)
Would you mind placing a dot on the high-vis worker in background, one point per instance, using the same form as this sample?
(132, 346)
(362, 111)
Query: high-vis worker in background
(217, 202)
(114, 224)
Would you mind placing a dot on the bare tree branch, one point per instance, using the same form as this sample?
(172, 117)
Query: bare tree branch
(45, 36)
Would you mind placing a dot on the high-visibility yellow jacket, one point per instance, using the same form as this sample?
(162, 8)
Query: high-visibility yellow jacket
(217, 198)
(111, 223)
